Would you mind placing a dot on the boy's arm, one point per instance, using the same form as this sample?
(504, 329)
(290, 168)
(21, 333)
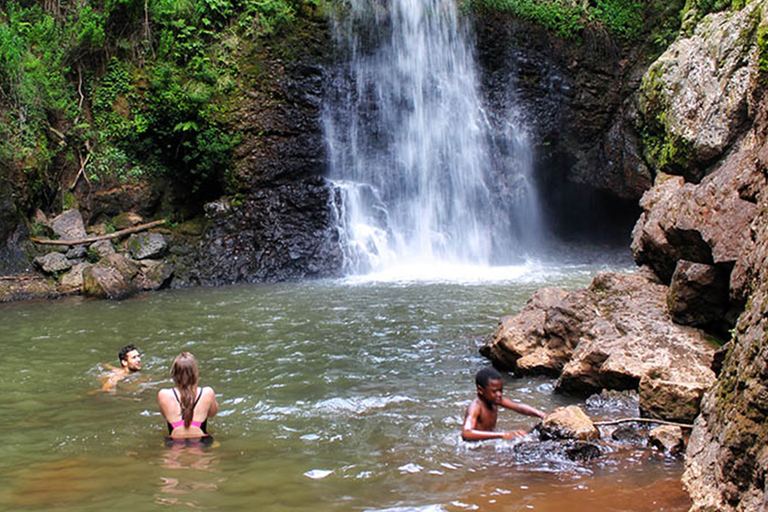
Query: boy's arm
(521, 408)
(469, 430)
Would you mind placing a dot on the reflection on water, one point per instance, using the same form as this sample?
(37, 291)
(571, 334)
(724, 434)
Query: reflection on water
(191, 471)
(334, 396)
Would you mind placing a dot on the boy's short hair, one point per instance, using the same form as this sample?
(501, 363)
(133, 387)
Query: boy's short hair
(123, 354)
(485, 375)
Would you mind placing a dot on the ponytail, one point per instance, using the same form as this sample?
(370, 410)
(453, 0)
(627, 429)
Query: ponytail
(184, 374)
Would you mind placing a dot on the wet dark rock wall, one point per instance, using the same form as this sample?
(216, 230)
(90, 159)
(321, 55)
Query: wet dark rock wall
(576, 99)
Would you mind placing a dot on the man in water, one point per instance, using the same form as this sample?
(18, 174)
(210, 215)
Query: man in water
(481, 415)
(130, 362)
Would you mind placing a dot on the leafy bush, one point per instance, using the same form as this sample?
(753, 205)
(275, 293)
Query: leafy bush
(622, 18)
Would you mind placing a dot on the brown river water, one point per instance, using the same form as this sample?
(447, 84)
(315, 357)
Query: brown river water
(335, 395)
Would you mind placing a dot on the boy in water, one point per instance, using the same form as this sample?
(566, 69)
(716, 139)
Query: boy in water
(130, 362)
(481, 415)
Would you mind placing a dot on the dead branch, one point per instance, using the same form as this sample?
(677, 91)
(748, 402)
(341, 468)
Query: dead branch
(90, 240)
(22, 278)
(83, 163)
(642, 420)
(80, 92)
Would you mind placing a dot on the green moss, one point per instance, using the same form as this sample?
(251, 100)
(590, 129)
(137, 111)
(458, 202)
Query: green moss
(762, 46)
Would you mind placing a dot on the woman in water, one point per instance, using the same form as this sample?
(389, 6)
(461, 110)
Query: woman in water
(186, 407)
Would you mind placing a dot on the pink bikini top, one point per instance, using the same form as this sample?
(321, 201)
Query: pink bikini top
(193, 423)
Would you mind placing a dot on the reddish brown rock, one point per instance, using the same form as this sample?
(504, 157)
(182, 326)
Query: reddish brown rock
(668, 439)
(568, 423)
(609, 336)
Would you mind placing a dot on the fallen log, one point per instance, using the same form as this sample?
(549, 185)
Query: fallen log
(641, 420)
(90, 240)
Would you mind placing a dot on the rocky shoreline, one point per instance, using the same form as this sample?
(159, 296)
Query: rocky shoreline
(702, 242)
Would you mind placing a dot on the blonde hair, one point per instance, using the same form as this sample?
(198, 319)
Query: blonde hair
(184, 374)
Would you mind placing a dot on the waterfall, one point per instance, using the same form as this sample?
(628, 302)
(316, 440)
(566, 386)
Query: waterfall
(416, 161)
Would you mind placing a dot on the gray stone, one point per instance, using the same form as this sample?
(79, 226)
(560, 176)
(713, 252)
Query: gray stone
(103, 248)
(69, 225)
(701, 86)
(219, 208)
(53, 262)
(153, 275)
(147, 245)
(77, 252)
(105, 282)
(127, 268)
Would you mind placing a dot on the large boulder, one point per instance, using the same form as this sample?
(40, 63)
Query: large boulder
(698, 294)
(69, 225)
(537, 340)
(127, 268)
(609, 336)
(672, 397)
(694, 98)
(147, 245)
(154, 275)
(106, 282)
(706, 223)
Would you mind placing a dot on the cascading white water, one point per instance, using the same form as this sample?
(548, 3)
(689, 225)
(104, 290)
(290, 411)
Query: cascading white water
(409, 144)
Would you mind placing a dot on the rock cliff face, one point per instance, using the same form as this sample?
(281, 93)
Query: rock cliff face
(705, 231)
(280, 224)
(574, 98)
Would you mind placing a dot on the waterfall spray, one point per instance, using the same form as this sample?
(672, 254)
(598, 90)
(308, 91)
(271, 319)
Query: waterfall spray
(410, 146)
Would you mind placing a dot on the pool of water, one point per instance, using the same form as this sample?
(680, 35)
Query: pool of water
(334, 395)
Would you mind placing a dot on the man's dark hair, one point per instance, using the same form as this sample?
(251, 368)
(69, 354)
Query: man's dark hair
(122, 355)
(485, 375)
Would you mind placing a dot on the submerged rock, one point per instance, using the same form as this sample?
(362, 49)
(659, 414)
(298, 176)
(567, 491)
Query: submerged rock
(568, 423)
(628, 434)
(668, 439)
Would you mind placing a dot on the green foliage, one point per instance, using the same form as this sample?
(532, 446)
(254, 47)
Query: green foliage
(625, 20)
(762, 45)
(563, 17)
(141, 85)
(622, 18)
(695, 10)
